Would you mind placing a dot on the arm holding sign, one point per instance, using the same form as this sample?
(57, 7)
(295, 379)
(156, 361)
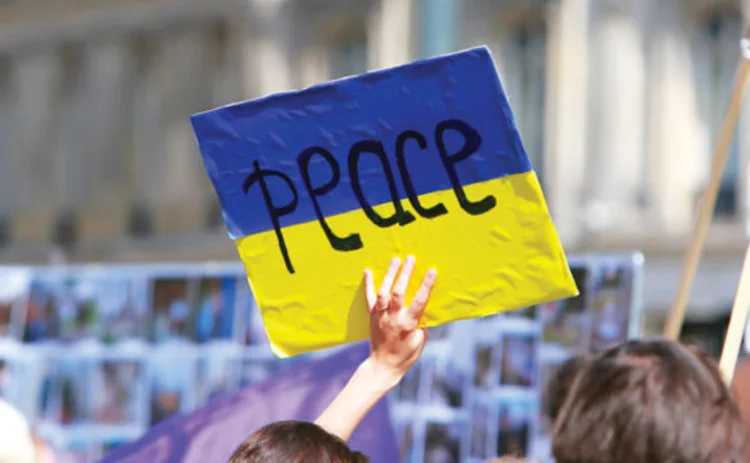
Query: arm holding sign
(396, 343)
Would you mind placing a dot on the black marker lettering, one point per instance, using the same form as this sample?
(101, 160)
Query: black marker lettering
(349, 243)
(428, 213)
(259, 175)
(401, 216)
(472, 141)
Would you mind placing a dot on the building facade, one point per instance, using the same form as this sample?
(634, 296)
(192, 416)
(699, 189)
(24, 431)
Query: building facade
(619, 103)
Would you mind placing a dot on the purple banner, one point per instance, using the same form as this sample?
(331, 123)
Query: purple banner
(300, 393)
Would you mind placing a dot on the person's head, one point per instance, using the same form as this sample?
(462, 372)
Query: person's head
(561, 382)
(16, 444)
(650, 402)
(294, 442)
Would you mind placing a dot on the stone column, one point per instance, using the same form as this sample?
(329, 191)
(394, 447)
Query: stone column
(187, 89)
(675, 141)
(35, 80)
(226, 79)
(105, 134)
(72, 167)
(481, 17)
(567, 113)
(147, 134)
(313, 65)
(72, 155)
(265, 59)
(618, 118)
(9, 180)
(439, 26)
(390, 34)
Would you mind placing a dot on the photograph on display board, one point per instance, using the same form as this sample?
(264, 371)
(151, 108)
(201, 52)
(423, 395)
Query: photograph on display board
(217, 374)
(515, 416)
(14, 293)
(566, 323)
(47, 400)
(406, 441)
(215, 308)
(171, 303)
(120, 383)
(79, 318)
(122, 307)
(6, 315)
(173, 370)
(480, 420)
(611, 306)
(483, 365)
(519, 357)
(66, 396)
(442, 443)
(42, 318)
(447, 382)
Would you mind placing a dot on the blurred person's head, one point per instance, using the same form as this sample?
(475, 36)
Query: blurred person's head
(294, 442)
(16, 444)
(561, 382)
(649, 402)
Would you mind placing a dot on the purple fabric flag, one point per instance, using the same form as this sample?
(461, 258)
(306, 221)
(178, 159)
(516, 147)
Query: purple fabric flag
(212, 433)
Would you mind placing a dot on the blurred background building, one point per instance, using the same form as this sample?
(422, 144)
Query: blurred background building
(619, 103)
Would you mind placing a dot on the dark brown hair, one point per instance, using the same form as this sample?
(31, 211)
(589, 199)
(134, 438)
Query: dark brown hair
(294, 442)
(649, 402)
(561, 382)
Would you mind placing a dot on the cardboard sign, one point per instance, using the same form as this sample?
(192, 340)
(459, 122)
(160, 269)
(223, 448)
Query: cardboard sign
(317, 185)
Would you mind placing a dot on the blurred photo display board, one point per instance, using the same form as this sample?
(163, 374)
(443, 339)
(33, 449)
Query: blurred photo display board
(95, 355)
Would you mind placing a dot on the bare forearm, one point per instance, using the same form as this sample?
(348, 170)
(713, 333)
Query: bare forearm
(366, 387)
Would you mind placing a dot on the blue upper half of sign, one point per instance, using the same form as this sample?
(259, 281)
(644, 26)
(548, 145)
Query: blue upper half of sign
(411, 120)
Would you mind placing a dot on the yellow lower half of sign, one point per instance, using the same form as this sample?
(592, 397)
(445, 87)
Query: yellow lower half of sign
(507, 258)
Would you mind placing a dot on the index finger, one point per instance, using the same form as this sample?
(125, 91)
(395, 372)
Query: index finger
(370, 289)
(416, 309)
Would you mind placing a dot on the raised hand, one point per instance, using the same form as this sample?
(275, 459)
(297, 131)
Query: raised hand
(396, 338)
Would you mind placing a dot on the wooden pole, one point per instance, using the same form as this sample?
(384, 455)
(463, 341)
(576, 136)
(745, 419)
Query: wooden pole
(721, 154)
(737, 322)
